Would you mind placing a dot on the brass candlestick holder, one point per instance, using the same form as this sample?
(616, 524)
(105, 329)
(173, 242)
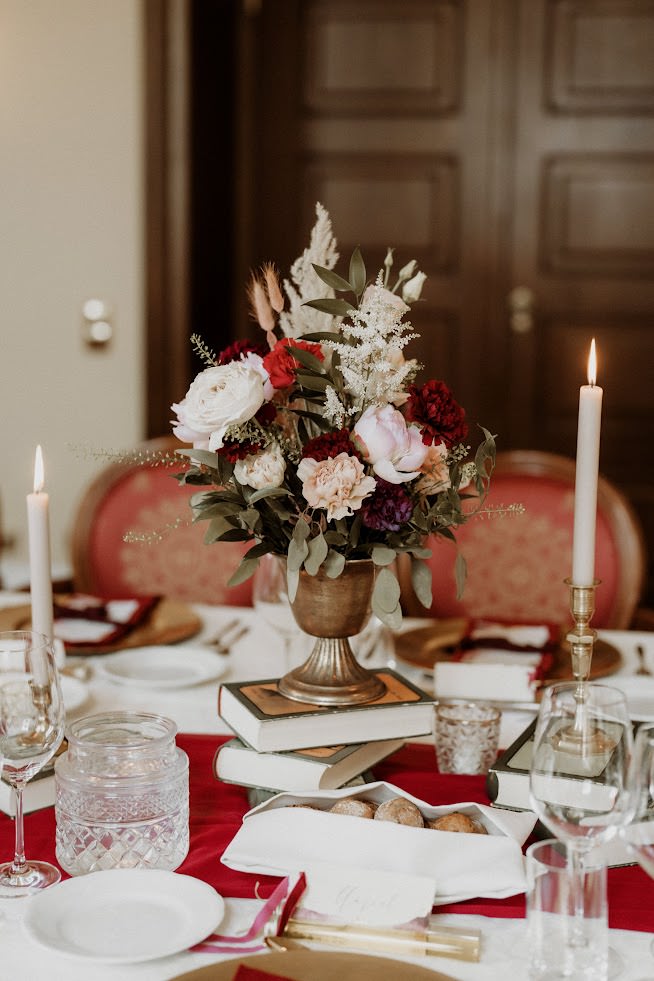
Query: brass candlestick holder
(582, 738)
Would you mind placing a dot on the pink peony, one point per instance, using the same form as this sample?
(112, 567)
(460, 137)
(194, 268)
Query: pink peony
(395, 451)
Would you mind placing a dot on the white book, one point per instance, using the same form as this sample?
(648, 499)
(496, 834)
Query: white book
(270, 722)
(320, 768)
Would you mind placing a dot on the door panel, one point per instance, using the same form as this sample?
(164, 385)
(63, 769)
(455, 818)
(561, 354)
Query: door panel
(503, 144)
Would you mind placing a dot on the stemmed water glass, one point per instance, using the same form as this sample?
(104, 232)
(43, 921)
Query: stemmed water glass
(32, 720)
(578, 786)
(639, 833)
(270, 600)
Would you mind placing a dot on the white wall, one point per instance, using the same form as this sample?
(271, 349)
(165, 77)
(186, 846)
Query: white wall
(71, 227)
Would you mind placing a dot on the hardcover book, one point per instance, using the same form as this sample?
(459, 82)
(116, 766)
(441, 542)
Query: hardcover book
(320, 768)
(507, 781)
(270, 722)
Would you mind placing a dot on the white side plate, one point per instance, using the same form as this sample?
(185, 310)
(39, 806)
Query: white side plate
(124, 916)
(162, 667)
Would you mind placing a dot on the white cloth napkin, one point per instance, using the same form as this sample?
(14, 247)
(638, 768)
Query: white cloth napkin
(276, 839)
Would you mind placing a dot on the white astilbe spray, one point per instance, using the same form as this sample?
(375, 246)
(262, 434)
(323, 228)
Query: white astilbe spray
(372, 363)
(305, 284)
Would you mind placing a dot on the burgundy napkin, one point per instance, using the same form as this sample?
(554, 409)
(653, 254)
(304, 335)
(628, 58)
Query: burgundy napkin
(81, 620)
(245, 973)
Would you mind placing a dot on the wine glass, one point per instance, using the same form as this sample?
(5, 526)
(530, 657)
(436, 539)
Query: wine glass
(578, 787)
(639, 833)
(32, 719)
(270, 600)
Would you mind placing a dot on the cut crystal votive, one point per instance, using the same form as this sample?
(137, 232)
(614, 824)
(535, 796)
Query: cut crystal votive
(122, 797)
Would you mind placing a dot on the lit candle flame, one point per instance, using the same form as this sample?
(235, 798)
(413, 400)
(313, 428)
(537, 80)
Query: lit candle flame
(38, 470)
(592, 364)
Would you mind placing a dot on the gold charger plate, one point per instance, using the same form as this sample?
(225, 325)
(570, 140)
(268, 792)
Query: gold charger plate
(168, 622)
(424, 646)
(318, 965)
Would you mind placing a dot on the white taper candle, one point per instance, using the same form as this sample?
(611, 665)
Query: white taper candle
(38, 525)
(587, 473)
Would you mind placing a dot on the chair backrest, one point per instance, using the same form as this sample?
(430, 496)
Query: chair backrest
(174, 561)
(517, 564)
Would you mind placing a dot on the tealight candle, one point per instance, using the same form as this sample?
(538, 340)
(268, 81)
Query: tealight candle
(586, 477)
(38, 526)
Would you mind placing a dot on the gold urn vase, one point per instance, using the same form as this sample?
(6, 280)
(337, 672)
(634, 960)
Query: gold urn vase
(333, 610)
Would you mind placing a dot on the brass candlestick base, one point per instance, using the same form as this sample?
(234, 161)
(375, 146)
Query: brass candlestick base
(582, 738)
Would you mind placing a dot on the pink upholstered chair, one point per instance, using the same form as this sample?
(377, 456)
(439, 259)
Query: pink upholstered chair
(133, 497)
(517, 564)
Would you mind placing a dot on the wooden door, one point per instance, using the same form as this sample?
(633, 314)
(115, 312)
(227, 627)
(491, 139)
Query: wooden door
(508, 146)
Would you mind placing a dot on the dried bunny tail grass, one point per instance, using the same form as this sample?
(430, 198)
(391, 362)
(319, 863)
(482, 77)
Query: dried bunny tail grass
(260, 307)
(275, 295)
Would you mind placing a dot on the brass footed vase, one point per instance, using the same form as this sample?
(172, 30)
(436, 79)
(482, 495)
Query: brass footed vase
(333, 610)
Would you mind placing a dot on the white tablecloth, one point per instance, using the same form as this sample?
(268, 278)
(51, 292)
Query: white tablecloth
(259, 655)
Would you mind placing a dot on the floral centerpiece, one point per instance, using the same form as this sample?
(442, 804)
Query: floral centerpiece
(317, 443)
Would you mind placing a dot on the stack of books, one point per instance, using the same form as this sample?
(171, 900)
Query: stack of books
(282, 744)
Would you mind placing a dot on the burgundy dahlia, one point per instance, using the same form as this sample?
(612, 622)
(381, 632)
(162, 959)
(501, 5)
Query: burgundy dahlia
(329, 445)
(239, 349)
(387, 508)
(433, 407)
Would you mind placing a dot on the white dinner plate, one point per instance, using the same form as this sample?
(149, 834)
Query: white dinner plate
(162, 667)
(124, 916)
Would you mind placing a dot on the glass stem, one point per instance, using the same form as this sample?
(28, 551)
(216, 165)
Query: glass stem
(577, 897)
(19, 864)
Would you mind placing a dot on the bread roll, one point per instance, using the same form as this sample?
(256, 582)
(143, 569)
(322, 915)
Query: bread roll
(400, 811)
(354, 807)
(457, 822)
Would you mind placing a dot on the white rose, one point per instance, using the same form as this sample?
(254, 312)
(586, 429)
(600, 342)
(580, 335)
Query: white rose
(259, 470)
(222, 396)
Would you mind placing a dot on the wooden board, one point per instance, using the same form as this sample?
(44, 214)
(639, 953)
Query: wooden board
(169, 622)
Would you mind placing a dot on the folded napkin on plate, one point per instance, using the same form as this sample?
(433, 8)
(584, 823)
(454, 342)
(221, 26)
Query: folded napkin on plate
(276, 839)
(80, 620)
(499, 661)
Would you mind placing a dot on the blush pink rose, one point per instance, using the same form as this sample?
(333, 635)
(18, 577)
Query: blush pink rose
(395, 450)
(339, 484)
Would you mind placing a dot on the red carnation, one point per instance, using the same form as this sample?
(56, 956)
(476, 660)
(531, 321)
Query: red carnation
(330, 445)
(280, 363)
(233, 450)
(435, 410)
(240, 349)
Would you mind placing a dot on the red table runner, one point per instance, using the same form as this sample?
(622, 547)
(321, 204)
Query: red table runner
(217, 809)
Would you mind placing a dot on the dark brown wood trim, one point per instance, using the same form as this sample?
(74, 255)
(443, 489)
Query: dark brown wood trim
(167, 212)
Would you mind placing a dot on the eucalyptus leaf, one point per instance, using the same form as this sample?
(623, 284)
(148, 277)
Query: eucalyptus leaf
(250, 518)
(297, 553)
(460, 574)
(383, 556)
(334, 564)
(315, 383)
(337, 308)
(208, 457)
(292, 581)
(318, 550)
(357, 271)
(391, 618)
(301, 531)
(421, 581)
(246, 568)
(330, 278)
(307, 359)
(267, 492)
(386, 594)
(217, 528)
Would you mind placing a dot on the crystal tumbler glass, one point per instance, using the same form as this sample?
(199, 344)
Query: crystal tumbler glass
(466, 736)
(122, 794)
